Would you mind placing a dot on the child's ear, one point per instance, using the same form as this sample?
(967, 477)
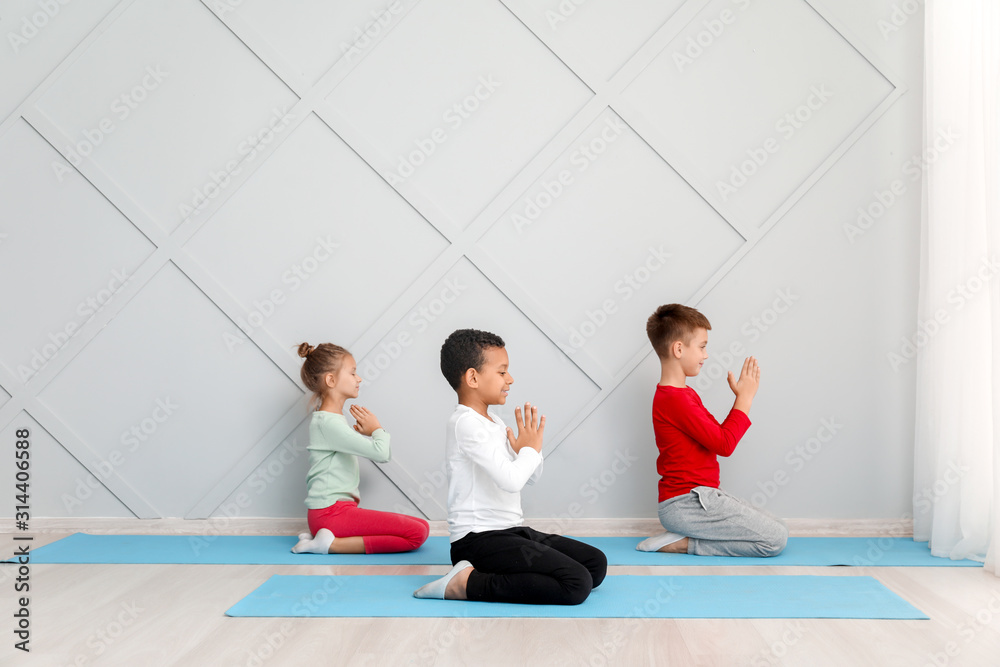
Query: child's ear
(677, 349)
(471, 378)
(330, 380)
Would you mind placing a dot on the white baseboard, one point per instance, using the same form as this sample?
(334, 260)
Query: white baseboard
(584, 527)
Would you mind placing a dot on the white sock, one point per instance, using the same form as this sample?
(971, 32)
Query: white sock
(304, 540)
(435, 589)
(317, 545)
(657, 542)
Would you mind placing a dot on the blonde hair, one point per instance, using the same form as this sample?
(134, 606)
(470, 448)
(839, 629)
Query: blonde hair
(320, 360)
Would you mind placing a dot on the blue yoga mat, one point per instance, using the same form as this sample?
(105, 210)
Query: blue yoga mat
(219, 550)
(856, 551)
(622, 596)
(275, 550)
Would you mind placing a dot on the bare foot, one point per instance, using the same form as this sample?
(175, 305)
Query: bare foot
(457, 585)
(678, 547)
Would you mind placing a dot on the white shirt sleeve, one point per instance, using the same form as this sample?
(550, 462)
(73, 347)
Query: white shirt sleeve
(538, 471)
(476, 442)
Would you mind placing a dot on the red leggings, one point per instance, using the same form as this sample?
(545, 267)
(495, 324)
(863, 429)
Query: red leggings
(383, 532)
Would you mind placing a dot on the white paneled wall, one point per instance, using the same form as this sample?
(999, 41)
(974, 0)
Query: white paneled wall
(190, 189)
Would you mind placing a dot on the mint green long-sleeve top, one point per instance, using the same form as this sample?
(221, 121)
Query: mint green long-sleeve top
(334, 448)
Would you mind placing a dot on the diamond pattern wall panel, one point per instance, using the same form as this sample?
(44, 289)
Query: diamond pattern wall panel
(61, 485)
(311, 220)
(602, 473)
(44, 270)
(764, 102)
(37, 39)
(378, 174)
(572, 29)
(485, 98)
(658, 241)
(313, 35)
(155, 406)
(166, 118)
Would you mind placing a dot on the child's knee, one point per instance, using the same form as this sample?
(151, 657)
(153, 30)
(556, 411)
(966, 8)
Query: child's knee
(598, 568)
(775, 543)
(421, 529)
(579, 592)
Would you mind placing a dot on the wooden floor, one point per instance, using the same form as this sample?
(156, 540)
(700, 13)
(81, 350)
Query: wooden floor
(150, 615)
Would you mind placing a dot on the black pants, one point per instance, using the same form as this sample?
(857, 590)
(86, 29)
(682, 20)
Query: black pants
(524, 565)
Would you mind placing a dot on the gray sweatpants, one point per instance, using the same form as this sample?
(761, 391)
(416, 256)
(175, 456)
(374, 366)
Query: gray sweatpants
(719, 524)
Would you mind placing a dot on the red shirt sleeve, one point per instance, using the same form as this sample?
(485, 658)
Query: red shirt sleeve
(698, 424)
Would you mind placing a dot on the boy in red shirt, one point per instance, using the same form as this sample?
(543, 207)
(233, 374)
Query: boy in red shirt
(699, 517)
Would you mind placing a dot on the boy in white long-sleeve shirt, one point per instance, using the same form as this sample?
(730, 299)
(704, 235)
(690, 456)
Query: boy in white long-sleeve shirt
(497, 558)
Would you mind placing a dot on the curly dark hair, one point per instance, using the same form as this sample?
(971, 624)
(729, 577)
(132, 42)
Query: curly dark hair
(465, 349)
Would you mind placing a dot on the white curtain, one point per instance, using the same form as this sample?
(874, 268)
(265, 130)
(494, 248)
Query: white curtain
(956, 502)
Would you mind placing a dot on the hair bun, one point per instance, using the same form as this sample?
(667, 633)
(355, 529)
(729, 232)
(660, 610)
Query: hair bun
(305, 349)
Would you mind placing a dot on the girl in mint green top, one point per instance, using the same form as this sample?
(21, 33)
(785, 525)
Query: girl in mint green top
(336, 523)
(334, 448)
